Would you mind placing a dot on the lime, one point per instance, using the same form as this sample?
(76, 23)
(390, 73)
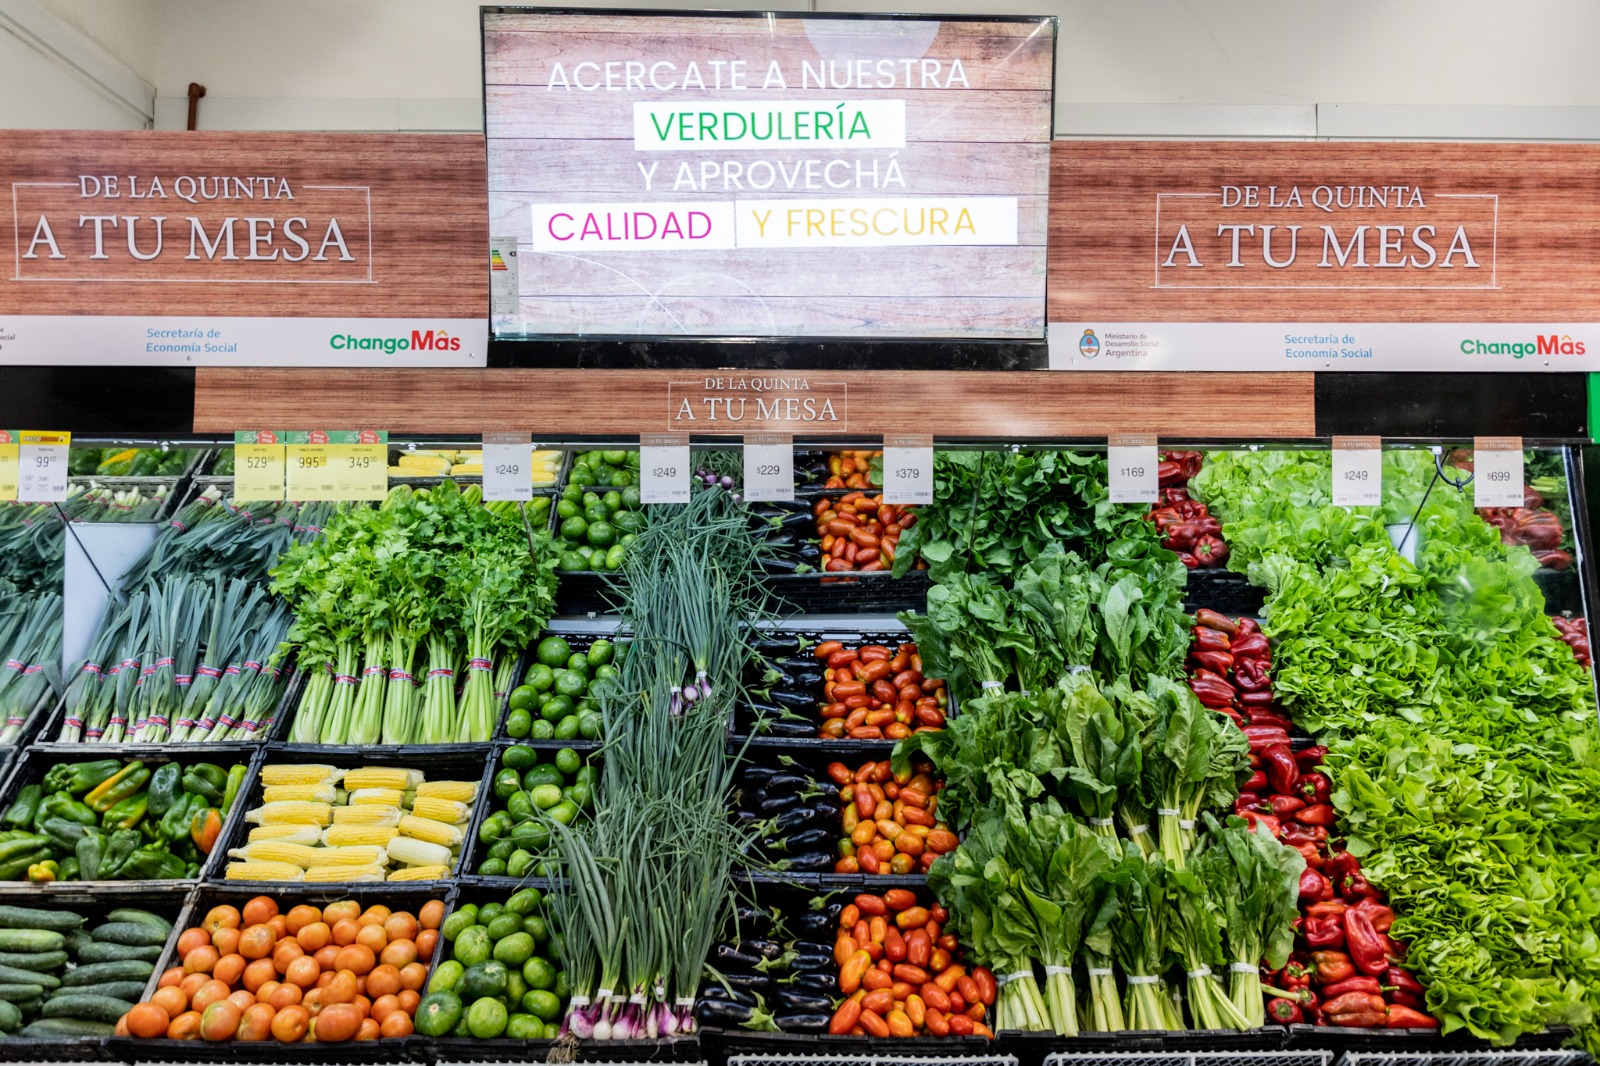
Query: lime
(620, 456)
(571, 684)
(615, 556)
(542, 730)
(440, 1010)
(501, 849)
(546, 796)
(596, 513)
(517, 724)
(589, 775)
(474, 945)
(515, 950)
(463, 918)
(577, 795)
(505, 783)
(573, 529)
(589, 726)
(568, 509)
(489, 912)
(539, 973)
(554, 652)
(536, 926)
(605, 671)
(524, 902)
(542, 775)
(572, 561)
(486, 1018)
(524, 1027)
(585, 550)
(556, 708)
(492, 868)
(567, 728)
(563, 812)
(563, 987)
(578, 663)
(516, 987)
(522, 697)
(543, 1005)
(621, 479)
(534, 835)
(612, 500)
(627, 539)
(568, 761)
(582, 474)
(519, 757)
(599, 653)
(448, 975)
(602, 534)
(631, 498)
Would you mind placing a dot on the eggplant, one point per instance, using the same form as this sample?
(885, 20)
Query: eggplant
(795, 816)
(781, 538)
(755, 983)
(745, 915)
(725, 957)
(811, 680)
(771, 805)
(789, 728)
(759, 775)
(788, 784)
(805, 840)
(799, 521)
(771, 647)
(810, 862)
(713, 991)
(795, 701)
(746, 817)
(813, 962)
(766, 710)
(802, 1023)
(805, 1002)
(810, 553)
(767, 949)
(817, 923)
(774, 565)
(819, 982)
(826, 807)
(722, 1013)
(794, 665)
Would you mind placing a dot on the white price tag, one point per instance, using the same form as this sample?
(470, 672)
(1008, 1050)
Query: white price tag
(1357, 472)
(42, 467)
(1132, 468)
(1497, 472)
(506, 473)
(768, 467)
(664, 469)
(908, 469)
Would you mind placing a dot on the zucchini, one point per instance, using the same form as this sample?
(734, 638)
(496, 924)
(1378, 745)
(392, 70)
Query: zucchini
(10, 1017)
(67, 1027)
(95, 973)
(10, 975)
(41, 961)
(39, 918)
(21, 993)
(31, 940)
(97, 952)
(87, 1008)
(131, 934)
(132, 991)
(133, 914)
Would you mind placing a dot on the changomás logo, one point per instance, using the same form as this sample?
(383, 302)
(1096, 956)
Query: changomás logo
(1542, 344)
(1088, 344)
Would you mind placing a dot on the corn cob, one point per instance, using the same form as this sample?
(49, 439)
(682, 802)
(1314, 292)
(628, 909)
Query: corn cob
(276, 851)
(291, 812)
(366, 814)
(466, 468)
(344, 836)
(440, 810)
(324, 792)
(427, 829)
(263, 871)
(351, 855)
(382, 777)
(421, 873)
(287, 833)
(459, 791)
(414, 852)
(388, 797)
(327, 874)
(425, 465)
(299, 774)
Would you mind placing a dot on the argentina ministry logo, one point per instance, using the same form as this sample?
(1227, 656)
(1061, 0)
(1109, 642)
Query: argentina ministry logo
(1088, 344)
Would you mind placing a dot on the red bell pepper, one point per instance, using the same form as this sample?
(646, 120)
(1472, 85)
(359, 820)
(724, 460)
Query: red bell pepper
(1272, 825)
(1314, 888)
(1248, 626)
(1250, 646)
(1173, 495)
(1380, 914)
(1342, 865)
(1356, 886)
(1402, 980)
(1368, 948)
(1328, 908)
(1283, 806)
(1265, 717)
(1311, 758)
(1284, 1012)
(1295, 834)
(1319, 814)
(1205, 616)
(1323, 933)
(1293, 976)
(1282, 772)
(1181, 536)
(1210, 551)
(1405, 999)
(1330, 967)
(1356, 1010)
(1400, 1017)
(1256, 782)
(1258, 701)
(1211, 690)
(1314, 787)
(1170, 473)
(1208, 639)
(1312, 853)
(1360, 983)
(1218, 662)
(1188, 560)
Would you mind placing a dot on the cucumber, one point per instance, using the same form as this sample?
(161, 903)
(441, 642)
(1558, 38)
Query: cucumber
(39, 918)
(60, 1027)
(128, 990)
(77, 941)
(134, 914)
(31, 940)
(134, 934)
(10, 975)
(97, 952)
(95, 973)
(41, 961)
(21, 993)
(87, 1008)
(10, 1017)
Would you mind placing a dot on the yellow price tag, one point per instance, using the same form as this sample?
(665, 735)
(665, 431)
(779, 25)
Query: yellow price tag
(10, 454)
(338, 472)
(258, 472)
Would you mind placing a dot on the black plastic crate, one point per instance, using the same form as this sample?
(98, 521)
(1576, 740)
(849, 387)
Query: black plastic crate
(1225, 592)
(879, 592)
(32, 765)
(741, 1047)
(408, 896)
(529, 658)
(438, 764)
(93, 904)
(476, 850)
(1563, 591)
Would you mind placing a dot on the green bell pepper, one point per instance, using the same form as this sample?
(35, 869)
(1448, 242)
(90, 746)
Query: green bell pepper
(175, 823)
(152, 863)
(120, 847)
(79, 777)
(42, 873)
(69, 868)
(62, 805)
(230, 792)
(15, 869)
(20, 814)
(124, 783)
(89, 852)
(126, 813)
(64, 834)
(165, 788)
(208, 780)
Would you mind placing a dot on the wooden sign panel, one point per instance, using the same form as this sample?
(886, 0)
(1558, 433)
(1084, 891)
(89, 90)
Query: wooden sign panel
(243, 249)
(1317, 256)
(769, 176)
